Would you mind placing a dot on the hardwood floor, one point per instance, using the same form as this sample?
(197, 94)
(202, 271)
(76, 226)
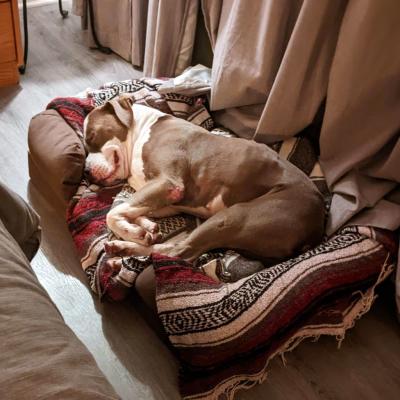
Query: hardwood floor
(130, 354)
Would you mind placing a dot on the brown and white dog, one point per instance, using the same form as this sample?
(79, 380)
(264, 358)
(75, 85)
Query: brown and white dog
(252, 200)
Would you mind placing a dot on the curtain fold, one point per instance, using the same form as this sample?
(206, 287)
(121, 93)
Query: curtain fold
(360, 146)
(279, 64)
(171, 27)
(211, 13)
(301, 82)
(113, 24)
(138, 31)
(157, 35)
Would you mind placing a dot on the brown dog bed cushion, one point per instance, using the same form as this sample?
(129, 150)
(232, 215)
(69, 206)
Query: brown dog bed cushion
(226, 326)
(56, 153)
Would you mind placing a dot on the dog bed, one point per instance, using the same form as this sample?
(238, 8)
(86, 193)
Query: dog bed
(226, 316)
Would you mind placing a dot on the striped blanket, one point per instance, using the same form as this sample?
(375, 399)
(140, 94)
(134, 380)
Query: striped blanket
(226, 333)
(226, 324)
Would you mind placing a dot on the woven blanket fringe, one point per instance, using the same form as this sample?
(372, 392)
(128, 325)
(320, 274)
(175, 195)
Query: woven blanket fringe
(227, 390)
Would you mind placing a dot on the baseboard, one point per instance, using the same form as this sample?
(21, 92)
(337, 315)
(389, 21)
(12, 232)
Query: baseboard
(37, 3)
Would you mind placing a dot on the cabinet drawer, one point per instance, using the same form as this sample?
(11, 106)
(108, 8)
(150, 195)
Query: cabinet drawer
(7, 45)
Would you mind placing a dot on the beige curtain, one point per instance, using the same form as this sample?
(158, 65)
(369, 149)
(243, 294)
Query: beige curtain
(114, 25)
(156, 35)
(120, 25)
(276, 62)
(138, 31)
(272, 58)
(360, 146)
(171, 27)
(211, 13)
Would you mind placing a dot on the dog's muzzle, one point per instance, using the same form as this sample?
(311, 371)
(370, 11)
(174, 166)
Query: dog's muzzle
(98, 169)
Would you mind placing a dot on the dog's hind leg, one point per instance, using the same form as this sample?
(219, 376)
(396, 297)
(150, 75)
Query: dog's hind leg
(215, 232)
(269, 227)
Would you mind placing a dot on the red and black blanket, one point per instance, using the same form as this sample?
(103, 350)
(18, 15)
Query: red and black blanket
(226, 325)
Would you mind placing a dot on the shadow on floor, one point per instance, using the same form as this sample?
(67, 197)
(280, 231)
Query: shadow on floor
(7, 95)
(57, 244)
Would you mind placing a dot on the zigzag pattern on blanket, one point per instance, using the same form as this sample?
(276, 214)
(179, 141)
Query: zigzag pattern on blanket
(144, 91)
(214, 312)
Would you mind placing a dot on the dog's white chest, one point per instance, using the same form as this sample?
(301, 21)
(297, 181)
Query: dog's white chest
(144, 119)
(137, 179)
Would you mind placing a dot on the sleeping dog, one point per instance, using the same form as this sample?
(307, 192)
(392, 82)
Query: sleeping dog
(252, 200)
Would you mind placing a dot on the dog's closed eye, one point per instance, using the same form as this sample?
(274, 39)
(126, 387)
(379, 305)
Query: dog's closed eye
(90, 142)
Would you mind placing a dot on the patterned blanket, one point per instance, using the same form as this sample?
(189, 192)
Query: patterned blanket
(226, 333)
(227, 316)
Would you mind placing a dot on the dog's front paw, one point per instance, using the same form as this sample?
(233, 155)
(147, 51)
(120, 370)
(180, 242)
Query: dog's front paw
(175, 250)
(123, 248)
(113, 264)
(147, 224)
(151, 231)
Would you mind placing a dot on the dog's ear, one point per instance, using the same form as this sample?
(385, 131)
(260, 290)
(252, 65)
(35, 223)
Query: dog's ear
(122, 107)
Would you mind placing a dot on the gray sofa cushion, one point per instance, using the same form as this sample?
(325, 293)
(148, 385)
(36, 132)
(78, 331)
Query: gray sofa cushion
(41, 358)
(20, 220)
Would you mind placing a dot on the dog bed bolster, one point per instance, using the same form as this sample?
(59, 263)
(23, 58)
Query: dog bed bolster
(56, 154)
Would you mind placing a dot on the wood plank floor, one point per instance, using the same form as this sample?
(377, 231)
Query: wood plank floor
(127, 350)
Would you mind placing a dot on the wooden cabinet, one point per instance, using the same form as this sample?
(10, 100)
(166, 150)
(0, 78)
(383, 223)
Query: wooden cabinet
(10, 43)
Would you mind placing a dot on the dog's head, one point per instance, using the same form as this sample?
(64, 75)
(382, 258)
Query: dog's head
(105, 129)
(104, 123)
